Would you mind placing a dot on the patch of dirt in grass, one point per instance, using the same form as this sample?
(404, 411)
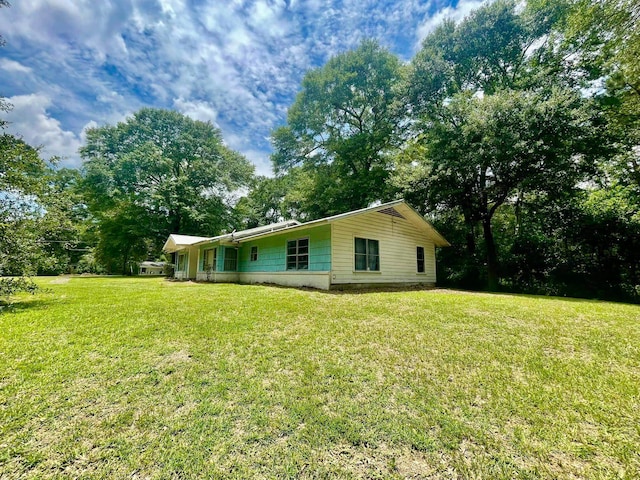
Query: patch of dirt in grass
(563, 465)
(362, 462)
(414, 464)
(179, 356)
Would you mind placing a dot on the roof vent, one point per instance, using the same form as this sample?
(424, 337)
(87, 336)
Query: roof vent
(391, 211)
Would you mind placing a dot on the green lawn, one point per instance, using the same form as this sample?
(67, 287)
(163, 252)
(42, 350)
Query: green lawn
(144, 378)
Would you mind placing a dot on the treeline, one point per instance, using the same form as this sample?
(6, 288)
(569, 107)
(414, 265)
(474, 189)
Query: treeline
(516, 131)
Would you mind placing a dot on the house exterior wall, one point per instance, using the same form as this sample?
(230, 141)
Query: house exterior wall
(187, 270)
(271, 264)
(272, 251)
(318, 280)
(398, 240)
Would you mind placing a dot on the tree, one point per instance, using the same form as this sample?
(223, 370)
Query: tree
(489, 123)
(268, 201)
(340, 129)
(23, 177)
(158, 172)
(488, 151)
(65, 225)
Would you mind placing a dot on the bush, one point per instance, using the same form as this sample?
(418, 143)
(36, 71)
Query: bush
(12, 285)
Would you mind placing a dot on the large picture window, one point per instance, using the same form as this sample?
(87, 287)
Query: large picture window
(298, 254)
(420, 259)
(367, 255)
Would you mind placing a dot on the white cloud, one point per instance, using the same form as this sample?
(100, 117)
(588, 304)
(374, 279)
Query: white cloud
(13, 66)
(430, 23)
(30, 120)
(202, 111)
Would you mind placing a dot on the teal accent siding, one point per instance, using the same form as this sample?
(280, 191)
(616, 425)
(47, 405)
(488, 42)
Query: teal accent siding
(272, 251)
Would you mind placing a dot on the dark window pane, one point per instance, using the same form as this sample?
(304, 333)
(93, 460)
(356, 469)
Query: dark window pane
(374, 262)
(303, 262)
(373, 247)
(361, 262)
(303, 242)
(291, 262)
(361, 245)
(420, 259)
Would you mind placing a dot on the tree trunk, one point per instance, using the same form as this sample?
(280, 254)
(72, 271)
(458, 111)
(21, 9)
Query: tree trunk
(492, 256)
(471, 234)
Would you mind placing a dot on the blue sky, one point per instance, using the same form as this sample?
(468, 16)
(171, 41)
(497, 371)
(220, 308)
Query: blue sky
(73, 64)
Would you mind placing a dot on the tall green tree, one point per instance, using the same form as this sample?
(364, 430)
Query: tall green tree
(158, 172)
(23, 186)
(488, 125)
(268, 201)
(602, 39)
(340, 130)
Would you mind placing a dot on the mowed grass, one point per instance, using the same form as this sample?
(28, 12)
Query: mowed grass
(145, 378)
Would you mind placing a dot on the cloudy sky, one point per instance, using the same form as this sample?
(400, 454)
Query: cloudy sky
(72, 64)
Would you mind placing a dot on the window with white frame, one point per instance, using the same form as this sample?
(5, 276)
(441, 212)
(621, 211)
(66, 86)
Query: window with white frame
(182, 262)
(298, 254)
(253, 256)
(367, 255)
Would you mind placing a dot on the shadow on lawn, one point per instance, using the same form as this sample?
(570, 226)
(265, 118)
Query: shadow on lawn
(25, 304)
(548, 298)
(444, 290)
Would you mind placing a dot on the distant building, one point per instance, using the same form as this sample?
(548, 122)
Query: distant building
(151, 268)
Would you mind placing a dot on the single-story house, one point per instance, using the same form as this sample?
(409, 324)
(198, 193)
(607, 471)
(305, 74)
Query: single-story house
(151, 268)
(388, 244)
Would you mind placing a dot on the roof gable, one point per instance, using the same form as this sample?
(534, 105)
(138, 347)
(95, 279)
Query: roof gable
(177, 242)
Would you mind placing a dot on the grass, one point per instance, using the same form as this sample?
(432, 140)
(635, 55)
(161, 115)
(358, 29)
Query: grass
(143, 378)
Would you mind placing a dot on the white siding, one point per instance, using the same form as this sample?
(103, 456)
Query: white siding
(222, 277)
(318, 280)
(192, 264)
(398, 241)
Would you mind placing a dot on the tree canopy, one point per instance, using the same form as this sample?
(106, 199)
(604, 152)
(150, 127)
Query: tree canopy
(158, 172)
(339, 130)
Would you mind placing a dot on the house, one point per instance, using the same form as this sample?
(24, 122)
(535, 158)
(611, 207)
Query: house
(151, 268)
(389, 244)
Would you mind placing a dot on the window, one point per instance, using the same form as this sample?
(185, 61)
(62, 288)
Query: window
(209, 261)
(182, 262)
(230, 259)
(254, 254)
(298, 254)
(420, 259)
(367, 255)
